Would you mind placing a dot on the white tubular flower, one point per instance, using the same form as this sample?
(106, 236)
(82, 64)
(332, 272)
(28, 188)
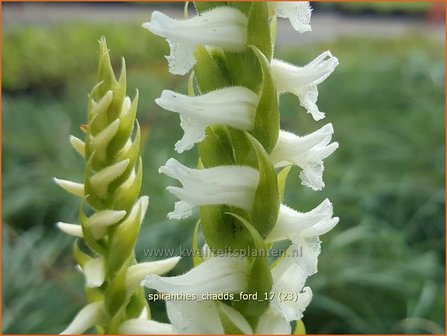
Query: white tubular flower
(303, 81)
(233, 106)
(289, 277)
(94, 271)
(292, 224)
(136, 273)
(214, 276)
(222, 27)
(307, 152)
(74, 188)
(298, 13)
(85, 319)
(230, 185)
(101, 220)
(144, 327)
(273, 323)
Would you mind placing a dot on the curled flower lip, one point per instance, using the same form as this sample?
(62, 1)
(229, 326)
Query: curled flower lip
(298, 13)
(303, 81)
(307, 152)
(223, 27)
(233, 106)
(230, 185)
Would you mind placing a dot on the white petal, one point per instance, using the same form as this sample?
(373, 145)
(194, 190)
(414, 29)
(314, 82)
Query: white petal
(231, 185)
(237, 318)
(223, 27)
(303, 81)
(101, 180)
(214, 276)
(101, 220)
(289, 277)
(127, 103)
(292, 224)
(307, 152)
(145, 327)
(233, 106)
(78, 145)
(298, 12)
(272, 322)
(71, 229)
(72, 187)
(94, 271)
(136, 273)
(194, 317)
(85, 319)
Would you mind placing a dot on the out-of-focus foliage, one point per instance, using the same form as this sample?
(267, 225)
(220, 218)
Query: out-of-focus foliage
(381, 270)
(381, 7)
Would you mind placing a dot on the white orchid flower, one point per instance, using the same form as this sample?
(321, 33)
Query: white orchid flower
(230, 185)
(214, 276)
(307, 152)
(233, 106)
(273, 323)
(292, 224)
(289, 277)
(303, 81)
(223, 27)
(298, 13)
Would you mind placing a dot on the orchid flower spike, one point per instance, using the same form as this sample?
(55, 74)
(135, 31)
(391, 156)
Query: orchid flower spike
(303, 81)
(223, 27)
(233, 106)
(298, 13)
(230, 185)
(307, 152)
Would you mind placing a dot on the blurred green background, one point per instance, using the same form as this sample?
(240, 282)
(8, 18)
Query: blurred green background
(381, 269)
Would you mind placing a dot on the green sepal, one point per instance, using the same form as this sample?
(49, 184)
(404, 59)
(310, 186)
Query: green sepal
(96, 202)
(132, 154)
(216, 150)
(244, 69)
(266, 128)
(136, 304)
(98, 246)
(266, 203)
(260, 278)
(230, 328)
(125, 197)
(123, 239)
(210, 76)
(106, 75)
(81, 257)
(125, 129)
(221, 231)
(116, 292)
(195, 246)
(258, 28)
(191, 91)
(242, 148)
(282, 179)
(300, 329)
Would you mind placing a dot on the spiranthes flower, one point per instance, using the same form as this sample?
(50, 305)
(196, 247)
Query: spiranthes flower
(233, 106)
(230, 185)
(298, 13)
(307, 152)
(223, 27)
(303, 81)
(292, 224)
(272, 322)
(214, 276)
(86, 318)
(289, 277)
(144, 326)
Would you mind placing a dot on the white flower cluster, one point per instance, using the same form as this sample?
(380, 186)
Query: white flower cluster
(225, 27)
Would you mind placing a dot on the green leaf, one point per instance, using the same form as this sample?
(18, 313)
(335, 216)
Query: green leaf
(266, 128)
(282, 179)
(125, 196)
(106, 75)
(266, 204)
